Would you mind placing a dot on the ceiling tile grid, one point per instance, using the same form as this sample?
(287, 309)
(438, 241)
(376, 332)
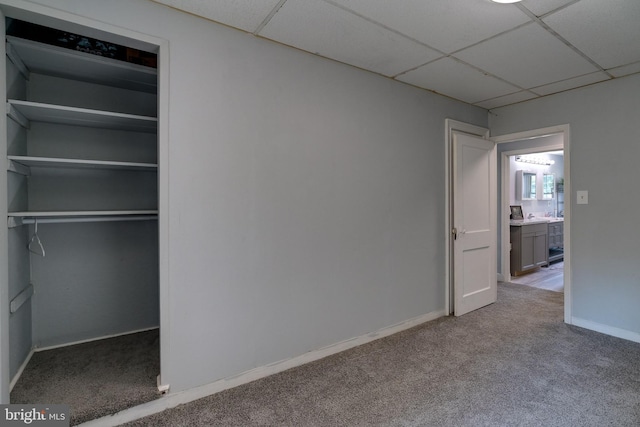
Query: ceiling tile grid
(323, 29)
(606, 31)
(476, 51)
(571, 83)
(246, 15)
(457, 80)
(528, 56)
(512, 98)
(446, 25)
(542, 7)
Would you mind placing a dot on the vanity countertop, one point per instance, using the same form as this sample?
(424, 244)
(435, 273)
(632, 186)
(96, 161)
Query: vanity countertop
(521, 222)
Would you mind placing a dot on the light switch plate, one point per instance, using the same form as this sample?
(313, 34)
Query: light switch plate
(583, 197)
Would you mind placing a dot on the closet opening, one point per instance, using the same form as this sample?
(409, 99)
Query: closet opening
(82, 206)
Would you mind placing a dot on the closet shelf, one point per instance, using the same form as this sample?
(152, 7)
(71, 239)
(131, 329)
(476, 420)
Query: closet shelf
(80, 163)
(29, 217)
(25, 111)
(61, 62)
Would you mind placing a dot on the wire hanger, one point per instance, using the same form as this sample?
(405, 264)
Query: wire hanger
(36, 239)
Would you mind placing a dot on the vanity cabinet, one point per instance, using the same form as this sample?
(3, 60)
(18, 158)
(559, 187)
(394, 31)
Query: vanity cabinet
(556, 240)
(529, 247)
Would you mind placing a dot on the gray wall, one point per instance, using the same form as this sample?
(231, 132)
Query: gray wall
(605, 239)
(306, 197)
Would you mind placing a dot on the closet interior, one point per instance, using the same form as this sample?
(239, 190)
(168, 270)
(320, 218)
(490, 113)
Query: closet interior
(82, 202)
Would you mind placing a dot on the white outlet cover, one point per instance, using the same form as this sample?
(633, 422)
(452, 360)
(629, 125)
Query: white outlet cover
(583, 197)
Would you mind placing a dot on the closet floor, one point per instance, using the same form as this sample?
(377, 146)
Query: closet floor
(96, 378)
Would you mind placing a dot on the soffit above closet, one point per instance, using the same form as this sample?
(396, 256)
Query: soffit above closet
(476, 51)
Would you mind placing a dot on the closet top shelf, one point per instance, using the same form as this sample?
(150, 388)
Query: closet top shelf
(60, 62)
(25, 111)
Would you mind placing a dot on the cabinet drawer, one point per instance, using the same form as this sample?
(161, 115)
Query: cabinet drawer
(536, 229)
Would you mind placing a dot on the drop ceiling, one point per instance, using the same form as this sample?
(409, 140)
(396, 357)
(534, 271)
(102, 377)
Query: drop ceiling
(476, 51)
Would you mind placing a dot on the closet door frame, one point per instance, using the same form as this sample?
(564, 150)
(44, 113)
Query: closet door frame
(47, 16)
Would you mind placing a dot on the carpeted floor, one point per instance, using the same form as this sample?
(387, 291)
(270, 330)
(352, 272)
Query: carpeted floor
(96, 378)
(514, 363)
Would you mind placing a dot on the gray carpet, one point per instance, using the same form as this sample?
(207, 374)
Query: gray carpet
(514, 363)
(96, 378)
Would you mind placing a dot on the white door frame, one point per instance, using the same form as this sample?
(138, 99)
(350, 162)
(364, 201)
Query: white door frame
(450, 127)
(48, 16)
(504, 202)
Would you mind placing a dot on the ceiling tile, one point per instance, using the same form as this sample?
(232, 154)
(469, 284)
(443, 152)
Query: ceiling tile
(606, 31)
(571, 83)
(457, 80)
(625, 70)
(529, 56)
(447, 25)
(501, 101)
(244, 14)
(329, 31)
(540, 7)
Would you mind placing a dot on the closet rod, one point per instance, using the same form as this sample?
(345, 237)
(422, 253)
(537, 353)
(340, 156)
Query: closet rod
(16, 222)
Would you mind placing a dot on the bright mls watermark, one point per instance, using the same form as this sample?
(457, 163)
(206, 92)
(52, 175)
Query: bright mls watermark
(34, 415)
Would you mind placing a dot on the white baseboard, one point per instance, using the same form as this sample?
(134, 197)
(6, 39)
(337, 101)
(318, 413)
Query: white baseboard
(16, 377)
(500, 277)
(605, 329)
(51, 347)
(174, 399)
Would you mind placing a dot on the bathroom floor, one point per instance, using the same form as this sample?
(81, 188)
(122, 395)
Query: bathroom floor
(550, 278)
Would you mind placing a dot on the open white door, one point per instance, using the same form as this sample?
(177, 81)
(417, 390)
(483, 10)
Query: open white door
(474, 223)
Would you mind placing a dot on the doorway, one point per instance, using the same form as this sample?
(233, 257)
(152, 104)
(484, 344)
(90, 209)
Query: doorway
(547, 140)
(540, 197)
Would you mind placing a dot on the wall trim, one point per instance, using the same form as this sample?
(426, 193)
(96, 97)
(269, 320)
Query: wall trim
(606, 329)
(18, 374)
(174, 399)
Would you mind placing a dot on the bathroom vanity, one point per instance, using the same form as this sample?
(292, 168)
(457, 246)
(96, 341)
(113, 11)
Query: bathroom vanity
(535, 243)
(529, 245)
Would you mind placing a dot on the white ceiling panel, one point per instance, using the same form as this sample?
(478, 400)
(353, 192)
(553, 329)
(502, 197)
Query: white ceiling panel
(571, 83)
(394, 38)
(244, 14)
(607, 31)
(327, 30)
(540, 7)
(447, 25)
(512, 98)
(528, 57)
(455, 79)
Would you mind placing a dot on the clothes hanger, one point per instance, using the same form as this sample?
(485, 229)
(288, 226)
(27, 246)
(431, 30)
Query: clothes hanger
(36, 239)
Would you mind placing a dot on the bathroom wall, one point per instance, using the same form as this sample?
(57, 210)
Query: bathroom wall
(537, 207)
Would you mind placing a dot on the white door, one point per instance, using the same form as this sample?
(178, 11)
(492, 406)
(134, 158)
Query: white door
(474, 223)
